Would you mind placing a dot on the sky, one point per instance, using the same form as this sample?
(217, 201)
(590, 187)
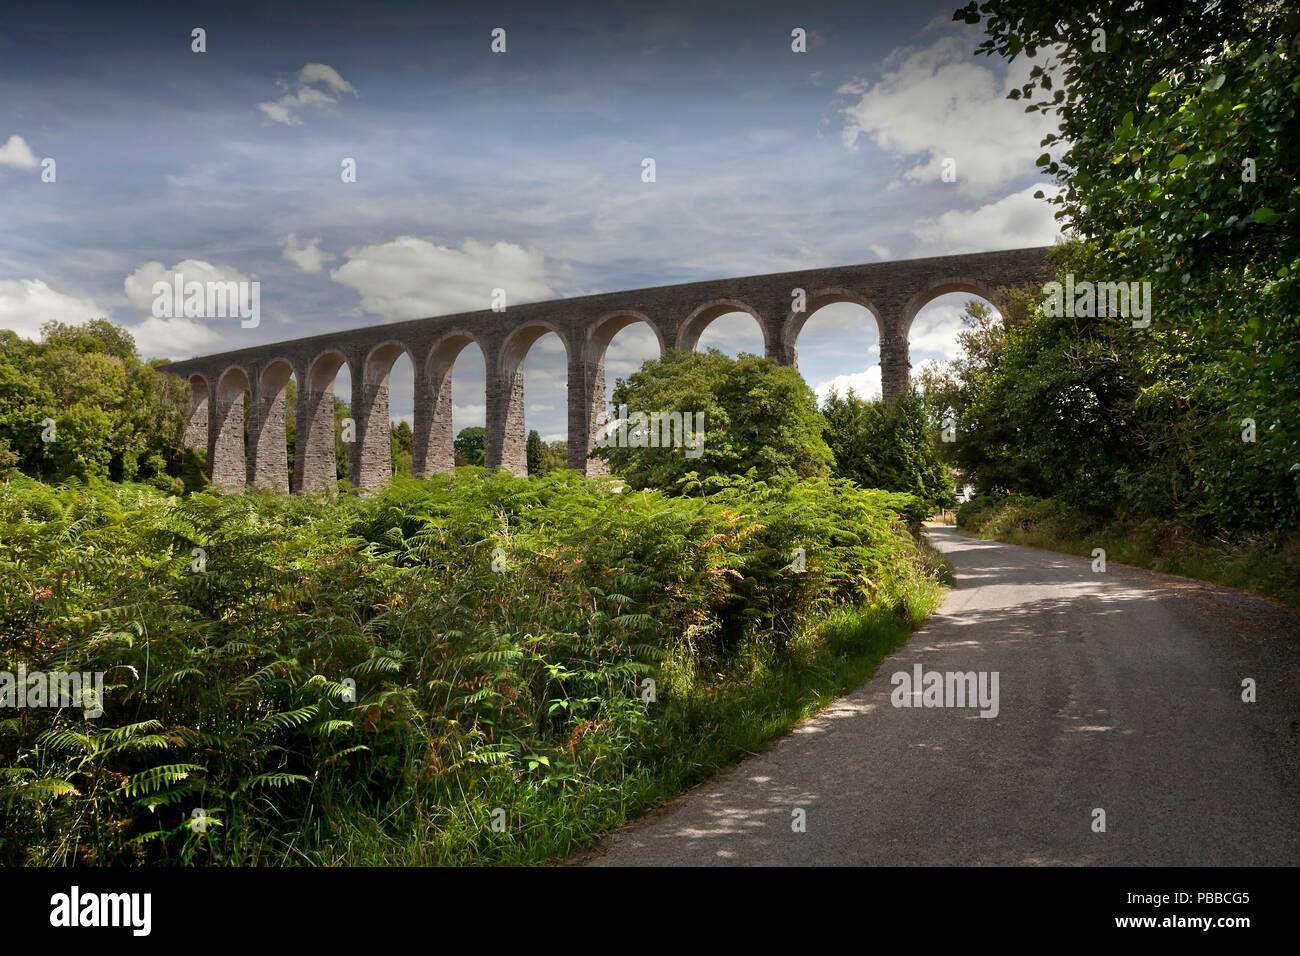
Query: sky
(520, 170)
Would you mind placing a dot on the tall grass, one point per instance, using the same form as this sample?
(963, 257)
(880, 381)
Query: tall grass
(452, 671)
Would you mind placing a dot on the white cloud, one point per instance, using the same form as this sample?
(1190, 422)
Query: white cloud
(844, 318)
(139, 284)
(16, 152)
(410, 278)
(316, 84)
(1014, 222)
(176, 338)
(27, 304)
(469, 416)
(307, 256)
(279, 114)
(938, 102)
(934, 331)
(627, 351)
(326, 76)
(865, 384)
(732, 333)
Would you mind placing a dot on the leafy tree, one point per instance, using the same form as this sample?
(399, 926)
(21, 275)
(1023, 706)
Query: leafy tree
(111, 414)
(342, 449)
(545, 457)
(946, 389)
(402, 440)
(887, 445)
(1177, 158)
(756, 415)
(78, 446)
(25, 400)
(470, 444)
(557, 455)
(194, 470)
(535, 450)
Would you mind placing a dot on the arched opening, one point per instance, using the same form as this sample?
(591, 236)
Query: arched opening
(324, 429)
(533, 381)
(626, 349)
(450, 435)
(836, 344)
(619, 346)
(401, 414)
(940, 323)
(373, 435)
(936, 344)
(937, 326)
(546, 406)
(729, 326)
(269, 429)
(228, 464)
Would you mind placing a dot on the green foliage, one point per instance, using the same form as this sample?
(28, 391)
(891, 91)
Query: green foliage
(402, 440)
(470, 445)
(1042, 405)
(111, 414)
(757, 416)
(1265, 562)
(290, 424)
(889, 445)
(535, 452)
(1178, 168)
(342, 449)
(333, 662)
(545, 457)
(556, 456)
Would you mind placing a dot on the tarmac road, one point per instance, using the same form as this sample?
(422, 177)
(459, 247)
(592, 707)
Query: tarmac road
(1119, 691)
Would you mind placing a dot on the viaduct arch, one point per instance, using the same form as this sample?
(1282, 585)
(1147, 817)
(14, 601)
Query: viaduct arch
(894, 292)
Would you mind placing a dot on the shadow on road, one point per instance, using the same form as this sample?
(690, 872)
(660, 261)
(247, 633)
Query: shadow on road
(1118, 691)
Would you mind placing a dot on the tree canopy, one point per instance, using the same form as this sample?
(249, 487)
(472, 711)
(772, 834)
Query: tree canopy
(754, 414)
(1177, 161)
(80, 404)
(888, 445)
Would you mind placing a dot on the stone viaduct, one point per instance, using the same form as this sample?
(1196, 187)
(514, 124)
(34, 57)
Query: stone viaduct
(892, 291)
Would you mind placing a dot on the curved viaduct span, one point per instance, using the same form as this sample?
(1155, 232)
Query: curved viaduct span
(893, 292)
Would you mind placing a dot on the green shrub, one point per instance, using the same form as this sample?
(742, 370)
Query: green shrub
(308, 673)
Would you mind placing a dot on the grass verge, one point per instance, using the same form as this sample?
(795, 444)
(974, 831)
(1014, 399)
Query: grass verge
(1265, 564)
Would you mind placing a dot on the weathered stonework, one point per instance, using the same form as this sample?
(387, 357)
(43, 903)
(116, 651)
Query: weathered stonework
(196, 429)
(268, 462)
(893, 292)
(226, 432)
